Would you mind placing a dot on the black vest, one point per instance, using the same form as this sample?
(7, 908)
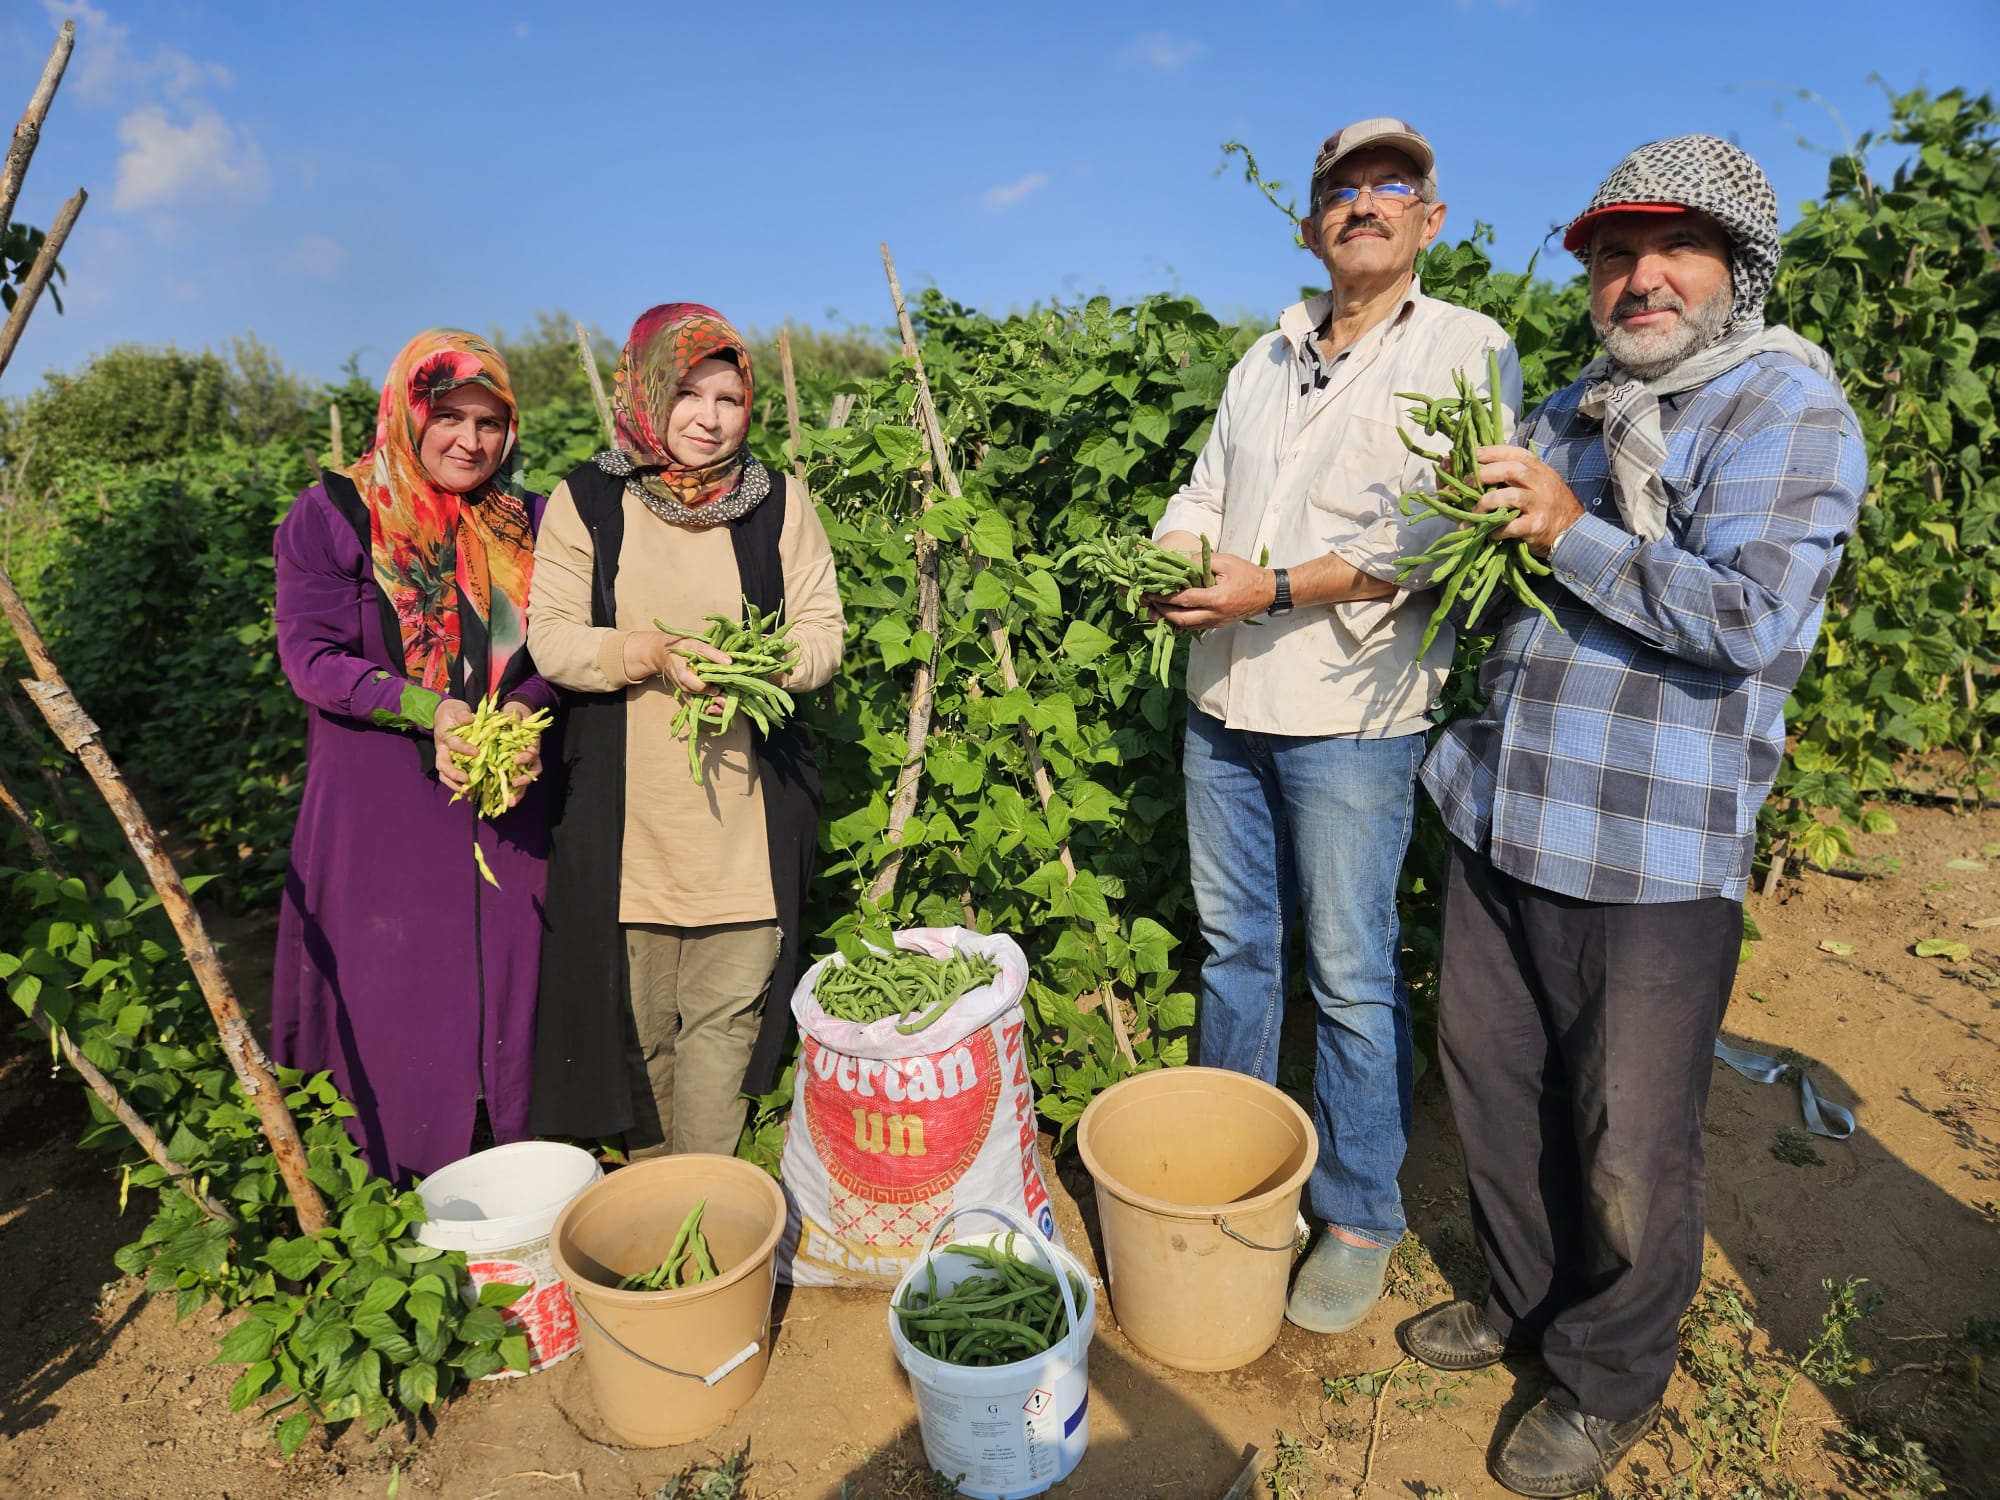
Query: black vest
(583, 1015)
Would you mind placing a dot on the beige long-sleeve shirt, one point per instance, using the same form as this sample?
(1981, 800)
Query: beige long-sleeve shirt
(1306, 473)
(694, 856)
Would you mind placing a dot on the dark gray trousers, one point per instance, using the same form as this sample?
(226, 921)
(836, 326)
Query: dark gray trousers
(1576, 1040)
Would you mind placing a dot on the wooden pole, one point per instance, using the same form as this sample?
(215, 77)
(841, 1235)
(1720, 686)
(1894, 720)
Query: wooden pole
(28, 134)
(334, 457)
(589, 358)
(78, 735)
(106, 1091)
(791, 400)
(996, 628)
(38, 276)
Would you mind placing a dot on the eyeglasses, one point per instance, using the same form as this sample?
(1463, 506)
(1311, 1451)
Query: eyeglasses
(1389, 198)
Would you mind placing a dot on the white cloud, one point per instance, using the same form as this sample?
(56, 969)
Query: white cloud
(318, 256)
(1169, 54)
(1008, 194)
(165, 163)
(108, 71)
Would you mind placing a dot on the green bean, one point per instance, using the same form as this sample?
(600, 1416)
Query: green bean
(758, 651)
(687, 1260)
(1009, 1311)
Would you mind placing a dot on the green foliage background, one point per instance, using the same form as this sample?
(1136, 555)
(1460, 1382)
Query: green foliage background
(141, 497)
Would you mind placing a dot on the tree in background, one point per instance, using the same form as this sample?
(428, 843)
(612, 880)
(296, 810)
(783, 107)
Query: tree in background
(543, 362)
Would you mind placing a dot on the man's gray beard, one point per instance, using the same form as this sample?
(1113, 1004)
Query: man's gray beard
(1649, 356)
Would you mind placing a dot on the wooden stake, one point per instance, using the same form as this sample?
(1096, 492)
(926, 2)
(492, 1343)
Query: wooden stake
(996, 628)
(334, 457)
(78, 735)
(38, 276)
(106, 1091)
(589, 358)
(28, 134)
(791, 400)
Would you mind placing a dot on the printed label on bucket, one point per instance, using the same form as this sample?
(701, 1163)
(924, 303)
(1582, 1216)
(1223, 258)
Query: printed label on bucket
(544, 1314)
(1000, 1445)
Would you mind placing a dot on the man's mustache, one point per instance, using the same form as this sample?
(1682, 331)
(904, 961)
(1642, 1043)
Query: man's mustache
(1661, 301)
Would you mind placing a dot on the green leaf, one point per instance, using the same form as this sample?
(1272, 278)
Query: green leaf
(246, 1343)
(1944, 948)
(993, 537)
(292, 1432)
(251, 1384)
(416, 1385)
(514, 1350)
(294, 1260)
(1083, 642)
(502, 1293)
(1828, 945)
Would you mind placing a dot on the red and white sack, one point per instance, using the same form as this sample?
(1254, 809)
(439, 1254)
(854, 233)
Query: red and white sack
(889, 1133)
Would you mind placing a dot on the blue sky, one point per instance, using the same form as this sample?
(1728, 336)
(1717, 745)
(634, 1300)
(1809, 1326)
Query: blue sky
(336, 177)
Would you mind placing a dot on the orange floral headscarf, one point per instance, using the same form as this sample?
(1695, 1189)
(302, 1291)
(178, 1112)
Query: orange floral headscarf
(455, 567)
(665, 343)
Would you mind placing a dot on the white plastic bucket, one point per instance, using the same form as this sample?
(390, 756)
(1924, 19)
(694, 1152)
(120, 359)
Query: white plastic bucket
(498, 1206)
(1007, 1430)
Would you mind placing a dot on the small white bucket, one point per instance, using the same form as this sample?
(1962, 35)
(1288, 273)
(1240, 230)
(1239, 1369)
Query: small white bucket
(498, 1206)
(1006, 1430)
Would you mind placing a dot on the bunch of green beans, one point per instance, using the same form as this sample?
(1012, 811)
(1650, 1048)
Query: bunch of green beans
(687, 1262)
(1014, 1313)
(497, 738)
(759, 654)
(1143, 570)
(904, 983)
(1468, 562)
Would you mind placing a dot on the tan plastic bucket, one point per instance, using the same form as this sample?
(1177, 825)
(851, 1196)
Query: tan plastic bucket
(672, 1366)
(1198, 1174)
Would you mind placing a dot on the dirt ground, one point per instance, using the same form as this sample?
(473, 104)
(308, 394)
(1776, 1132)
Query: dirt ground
(102, 1394)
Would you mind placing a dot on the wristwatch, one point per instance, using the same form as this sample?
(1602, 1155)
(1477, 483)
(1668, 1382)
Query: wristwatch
(1281, 602)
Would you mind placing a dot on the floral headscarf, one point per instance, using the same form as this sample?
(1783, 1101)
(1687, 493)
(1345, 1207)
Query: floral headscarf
(665, 343)
(455, 567)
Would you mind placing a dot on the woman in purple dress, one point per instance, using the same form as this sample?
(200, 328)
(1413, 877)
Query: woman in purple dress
(401, 602)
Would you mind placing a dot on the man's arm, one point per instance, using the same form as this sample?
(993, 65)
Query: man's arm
(1775, 514)
(1243, 589)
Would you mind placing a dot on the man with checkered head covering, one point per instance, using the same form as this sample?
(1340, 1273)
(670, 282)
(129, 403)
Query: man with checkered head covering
(1689, 495)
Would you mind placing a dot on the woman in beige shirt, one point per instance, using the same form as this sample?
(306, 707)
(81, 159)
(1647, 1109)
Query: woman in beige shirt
(673, 914)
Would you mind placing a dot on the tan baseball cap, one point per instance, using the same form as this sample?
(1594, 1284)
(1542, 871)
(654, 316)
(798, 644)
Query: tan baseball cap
(1381, 131)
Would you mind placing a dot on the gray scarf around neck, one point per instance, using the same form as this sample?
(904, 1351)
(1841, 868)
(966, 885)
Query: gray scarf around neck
(1629, 408)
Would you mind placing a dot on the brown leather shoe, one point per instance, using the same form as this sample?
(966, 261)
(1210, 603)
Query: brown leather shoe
(1554, 1451)
(1452, 1336)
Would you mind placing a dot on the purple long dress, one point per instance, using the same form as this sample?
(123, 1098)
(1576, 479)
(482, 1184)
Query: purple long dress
(398, 969)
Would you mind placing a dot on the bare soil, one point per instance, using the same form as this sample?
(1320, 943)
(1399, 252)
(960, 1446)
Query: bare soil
(103, 1394)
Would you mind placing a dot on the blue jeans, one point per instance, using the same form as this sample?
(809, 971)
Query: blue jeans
(1279, 824)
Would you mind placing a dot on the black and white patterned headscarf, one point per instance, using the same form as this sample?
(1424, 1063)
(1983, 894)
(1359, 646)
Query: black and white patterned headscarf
(1705, 173)
(1687, 172)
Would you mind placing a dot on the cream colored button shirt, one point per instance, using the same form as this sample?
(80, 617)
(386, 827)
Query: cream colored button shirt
(1305, 474)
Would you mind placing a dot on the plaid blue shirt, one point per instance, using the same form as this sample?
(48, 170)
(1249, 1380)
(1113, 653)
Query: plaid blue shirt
(1623, 758)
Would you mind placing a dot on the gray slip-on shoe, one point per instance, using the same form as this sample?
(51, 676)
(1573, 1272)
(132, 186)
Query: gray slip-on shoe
(1337, 1285)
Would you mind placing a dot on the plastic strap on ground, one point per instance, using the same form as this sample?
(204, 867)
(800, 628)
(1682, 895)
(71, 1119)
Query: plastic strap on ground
(1758, 1068)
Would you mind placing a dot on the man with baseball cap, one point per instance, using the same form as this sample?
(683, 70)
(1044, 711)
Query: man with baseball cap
(1308, 694)
(1693, 492)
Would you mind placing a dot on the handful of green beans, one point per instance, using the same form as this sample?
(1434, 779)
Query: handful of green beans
(687, 1262)
(497, 738)
(759, 654)
(1013, 1313)
(903, 983)
(1468, 562)
(1139, 567)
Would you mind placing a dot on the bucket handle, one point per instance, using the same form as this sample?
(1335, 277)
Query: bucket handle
(1035, 1237)
(1221, 1221)
(710, 1378)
